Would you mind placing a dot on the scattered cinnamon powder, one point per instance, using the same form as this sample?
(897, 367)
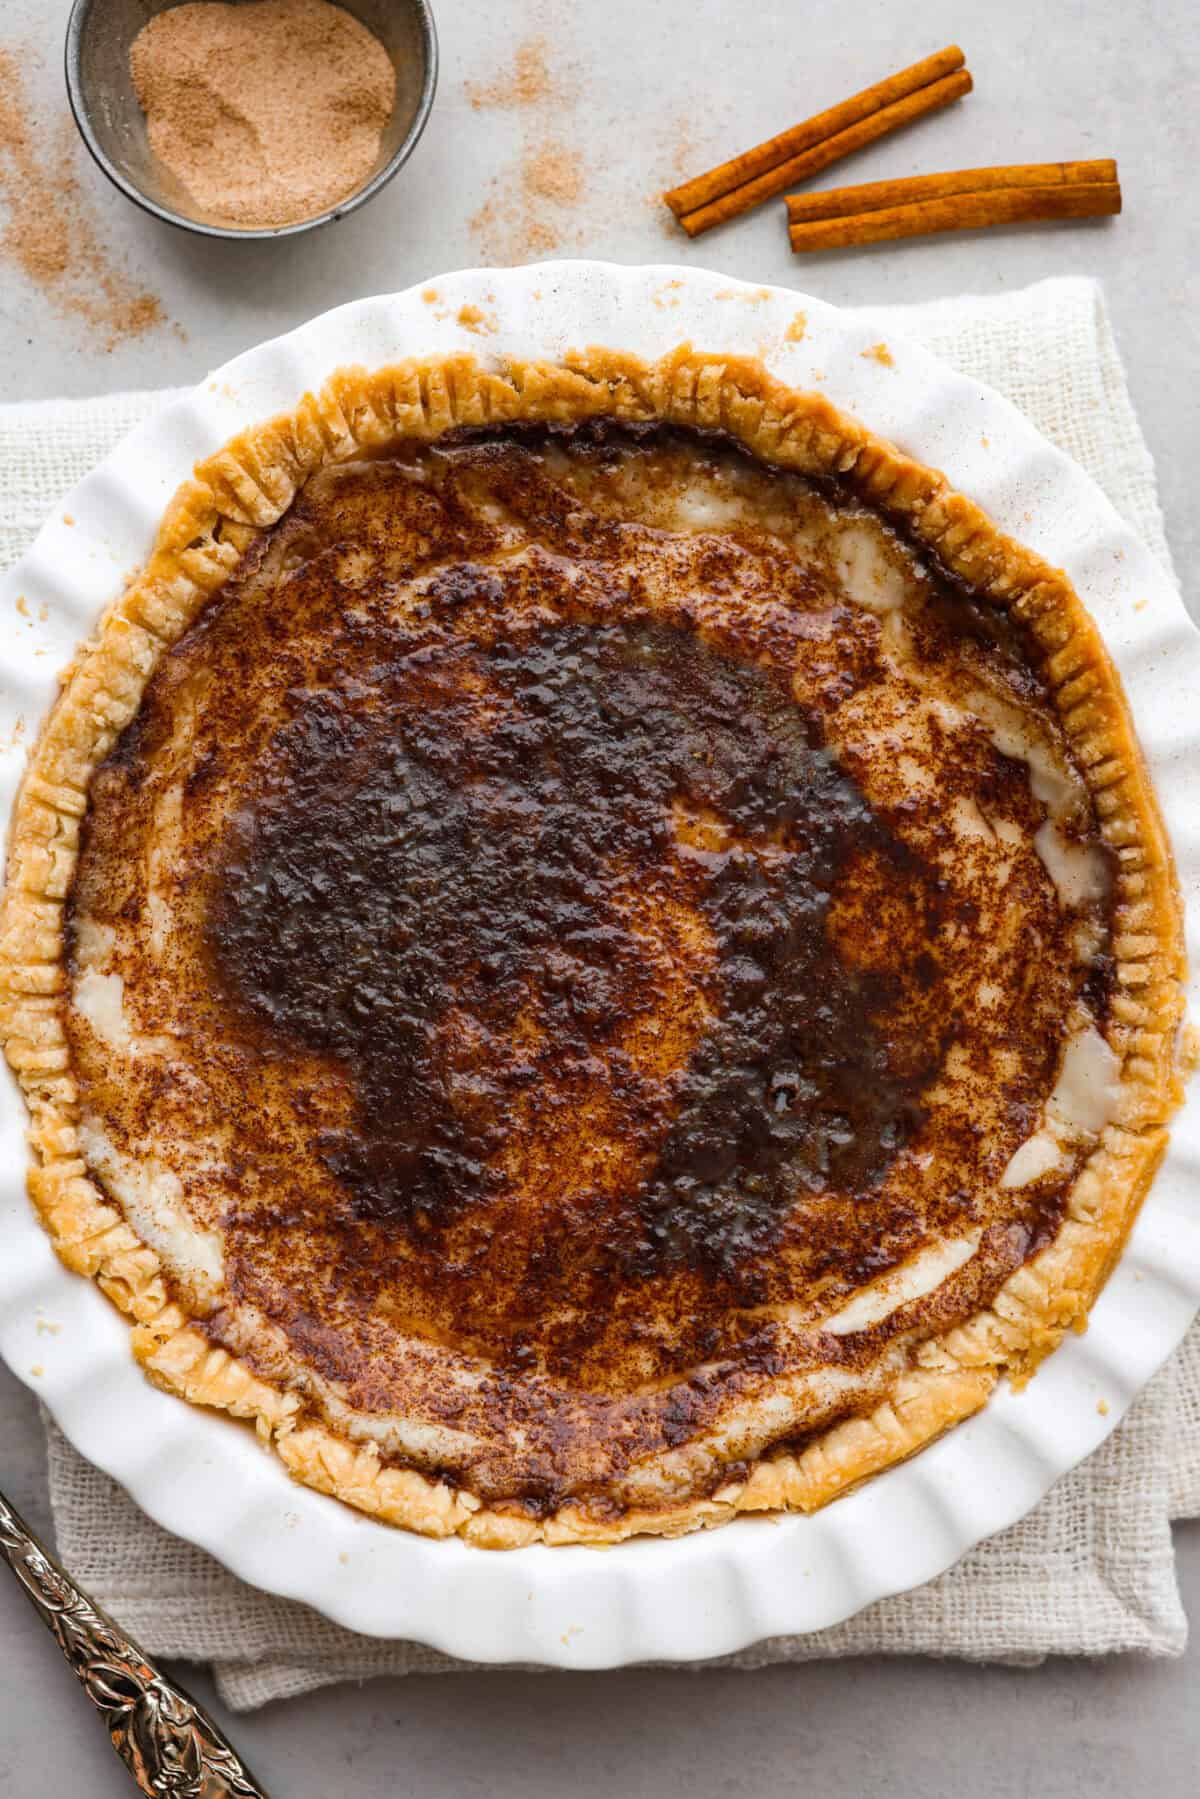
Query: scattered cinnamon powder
(551, 171)
(527, 83)
(48, 232)
(680, 144)
(679, 152)
(266, 113)
(528, 209)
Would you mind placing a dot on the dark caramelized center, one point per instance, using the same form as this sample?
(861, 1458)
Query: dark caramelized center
(580, 876)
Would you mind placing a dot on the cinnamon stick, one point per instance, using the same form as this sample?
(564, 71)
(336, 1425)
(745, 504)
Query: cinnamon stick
(958, 200)
(769, 168)
(840, 202)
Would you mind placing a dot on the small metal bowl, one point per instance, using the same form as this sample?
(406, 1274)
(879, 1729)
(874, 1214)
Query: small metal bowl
(113, 126)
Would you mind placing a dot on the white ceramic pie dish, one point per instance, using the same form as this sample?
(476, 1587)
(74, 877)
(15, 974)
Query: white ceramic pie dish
(206, 1478)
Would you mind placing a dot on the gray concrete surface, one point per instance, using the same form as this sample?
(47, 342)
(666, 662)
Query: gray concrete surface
(649, 93)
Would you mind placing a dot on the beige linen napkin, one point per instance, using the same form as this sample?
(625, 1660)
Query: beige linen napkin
(1091, 1570)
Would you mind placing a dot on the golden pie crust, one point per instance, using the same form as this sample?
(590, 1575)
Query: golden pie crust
(929, 1380)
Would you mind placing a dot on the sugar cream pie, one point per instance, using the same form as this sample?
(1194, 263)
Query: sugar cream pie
(590, 947)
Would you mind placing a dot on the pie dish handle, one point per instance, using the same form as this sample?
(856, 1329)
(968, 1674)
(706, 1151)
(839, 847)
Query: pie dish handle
(168, 1743)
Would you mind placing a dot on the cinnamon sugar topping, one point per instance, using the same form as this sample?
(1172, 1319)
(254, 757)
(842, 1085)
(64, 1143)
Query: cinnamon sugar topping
(267, 113)
(610, 937)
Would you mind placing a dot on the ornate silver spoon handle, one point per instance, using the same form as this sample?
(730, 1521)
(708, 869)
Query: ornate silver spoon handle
(170, 1745)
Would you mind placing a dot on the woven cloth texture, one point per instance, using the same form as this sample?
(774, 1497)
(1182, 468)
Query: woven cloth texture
(1091, 1570)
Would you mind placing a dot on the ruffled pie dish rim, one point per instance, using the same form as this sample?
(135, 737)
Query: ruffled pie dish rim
(967, 1394)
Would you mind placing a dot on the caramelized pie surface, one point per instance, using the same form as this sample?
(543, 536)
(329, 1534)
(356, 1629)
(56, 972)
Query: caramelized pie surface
(589, 950)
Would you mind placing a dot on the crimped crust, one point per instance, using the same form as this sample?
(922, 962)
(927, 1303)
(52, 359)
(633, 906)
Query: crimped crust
(247, 486)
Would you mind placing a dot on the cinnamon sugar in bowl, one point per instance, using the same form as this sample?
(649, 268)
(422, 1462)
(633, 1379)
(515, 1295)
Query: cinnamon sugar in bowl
(221, 154)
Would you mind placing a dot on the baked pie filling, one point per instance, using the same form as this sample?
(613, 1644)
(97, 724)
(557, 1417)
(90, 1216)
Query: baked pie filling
(596, 974)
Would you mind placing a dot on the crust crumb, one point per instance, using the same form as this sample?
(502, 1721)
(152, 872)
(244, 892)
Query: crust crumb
(473, 318)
